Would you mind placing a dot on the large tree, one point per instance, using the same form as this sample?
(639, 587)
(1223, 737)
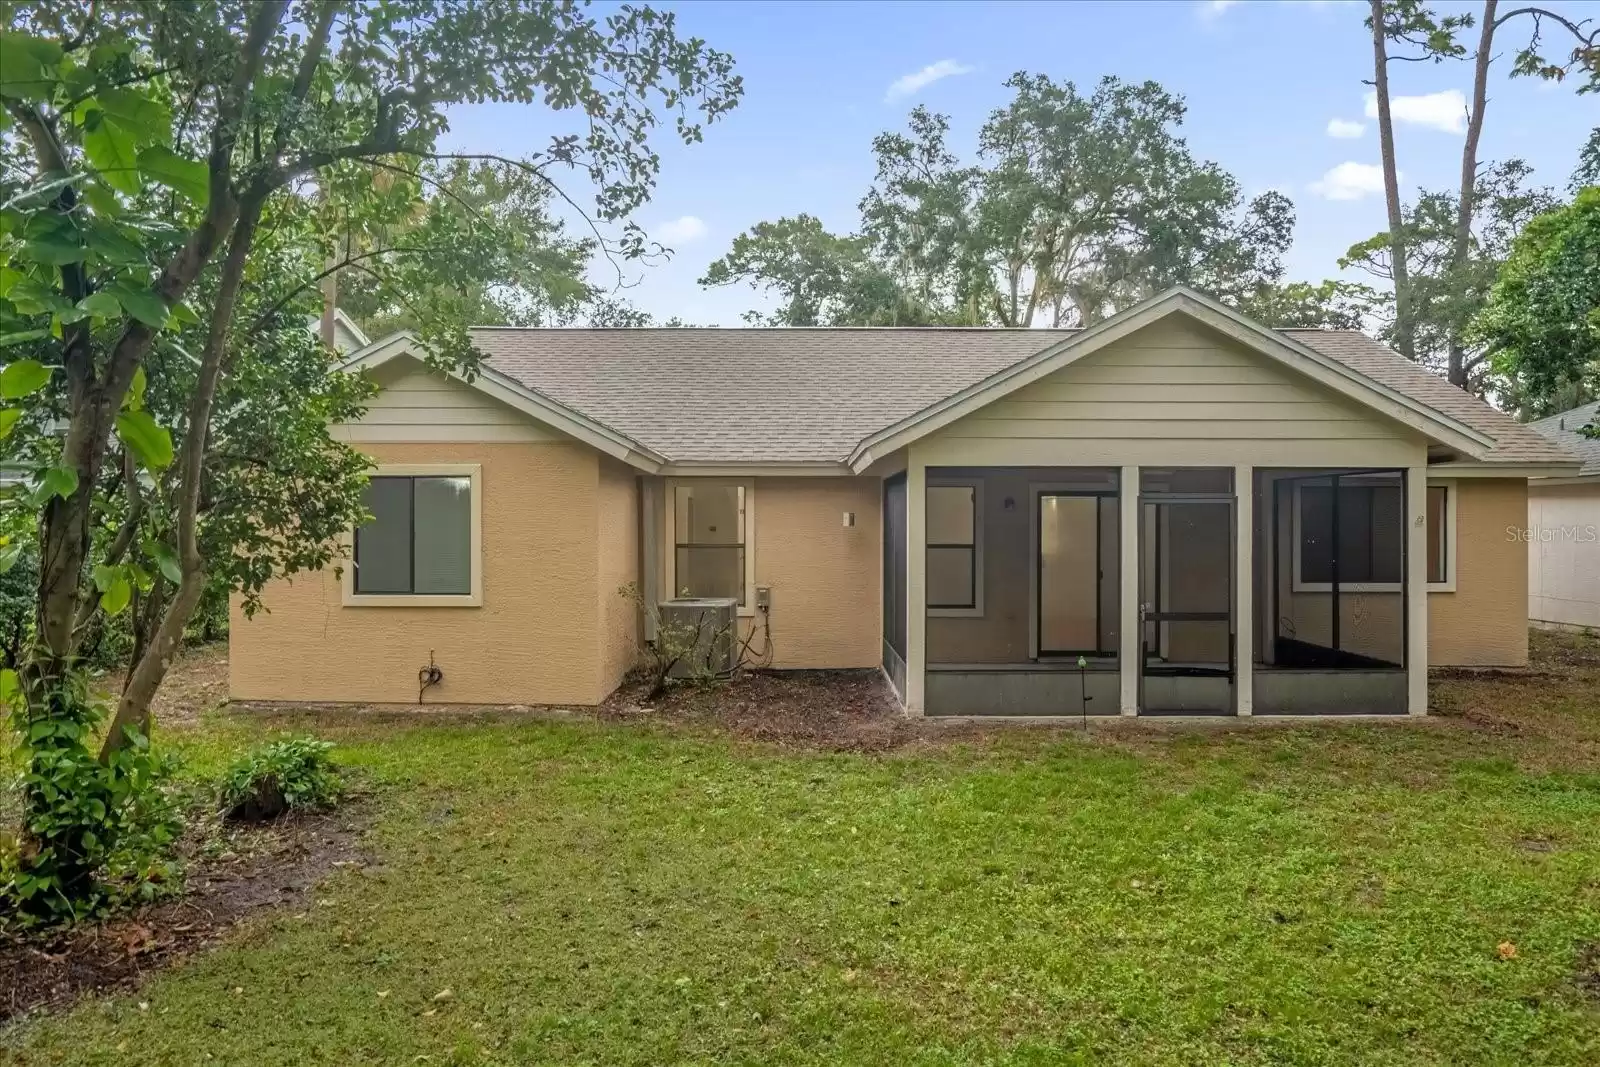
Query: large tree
(1428, 36)
(1542, 322)
(154, 157)
(1075, 206)
(1446, 290)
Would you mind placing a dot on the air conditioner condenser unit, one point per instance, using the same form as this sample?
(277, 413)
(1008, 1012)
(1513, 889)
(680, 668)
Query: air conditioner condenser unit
(706, 628)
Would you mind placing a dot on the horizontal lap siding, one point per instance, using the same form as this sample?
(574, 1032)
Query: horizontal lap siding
(418, 405)
(1174, 393)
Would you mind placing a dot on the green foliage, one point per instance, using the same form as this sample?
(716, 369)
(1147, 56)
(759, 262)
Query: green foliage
(823, 279)
(96, 835)
(1542, 320)
(1076, 206)
(174, 180)
(604, 892)
(1331, 305)
(1446, 293)
(477, 238)
(298, 771)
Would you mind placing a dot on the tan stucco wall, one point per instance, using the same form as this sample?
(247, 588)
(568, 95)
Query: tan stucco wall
(617, 538)
(535, 639)
(826, 581)
(1564, 554)
(1485, 621)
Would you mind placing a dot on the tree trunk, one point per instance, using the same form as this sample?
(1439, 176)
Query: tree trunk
(1403, 331)
(146, 674)
(1458, 370)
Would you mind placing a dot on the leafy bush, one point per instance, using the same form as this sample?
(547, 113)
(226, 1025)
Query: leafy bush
(94, 835)
(270, 779)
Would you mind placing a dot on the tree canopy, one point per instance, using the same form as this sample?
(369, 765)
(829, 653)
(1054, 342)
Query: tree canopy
(176, 181)
(1077, 205)
(1542, 320)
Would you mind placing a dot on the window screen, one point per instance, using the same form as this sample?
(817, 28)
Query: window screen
(709, 525)
(419, 541)
(952, 546)
(1369, 546)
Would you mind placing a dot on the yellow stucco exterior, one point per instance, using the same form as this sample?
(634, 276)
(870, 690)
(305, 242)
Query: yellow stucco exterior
(1484, 623)
(543, 634)
(563, 529)
(827, 591)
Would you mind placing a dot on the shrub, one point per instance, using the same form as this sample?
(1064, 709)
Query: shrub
(280, 776)
(94, 835)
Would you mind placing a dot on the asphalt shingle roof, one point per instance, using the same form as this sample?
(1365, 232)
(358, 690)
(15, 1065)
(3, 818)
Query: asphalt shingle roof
(1563, 430)
(811, 395)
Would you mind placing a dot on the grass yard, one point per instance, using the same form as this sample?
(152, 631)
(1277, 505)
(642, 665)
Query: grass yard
(638, 893)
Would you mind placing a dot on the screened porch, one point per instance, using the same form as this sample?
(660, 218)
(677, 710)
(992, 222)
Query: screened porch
(1198, 591)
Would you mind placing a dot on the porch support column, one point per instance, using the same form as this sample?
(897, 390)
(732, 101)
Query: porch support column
(1244, 589)
(1417, 590)
(1128, 570)
(916, 582)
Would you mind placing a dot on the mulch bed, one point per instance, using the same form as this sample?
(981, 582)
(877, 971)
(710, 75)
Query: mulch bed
(842, 710)
(268, 866)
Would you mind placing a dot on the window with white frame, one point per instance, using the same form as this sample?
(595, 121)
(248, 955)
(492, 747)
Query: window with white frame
(1369, 543)
(709, 540)
(954, 547)
(421, 542)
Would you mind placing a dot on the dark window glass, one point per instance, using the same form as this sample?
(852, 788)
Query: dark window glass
(419, 540)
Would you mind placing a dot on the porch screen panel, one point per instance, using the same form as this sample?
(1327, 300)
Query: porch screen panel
(894, 564)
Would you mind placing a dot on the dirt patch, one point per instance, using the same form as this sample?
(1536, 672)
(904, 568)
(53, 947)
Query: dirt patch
(256, 869)
(197, 683)
(1565, 648)
(1587, 975)
(843, 710)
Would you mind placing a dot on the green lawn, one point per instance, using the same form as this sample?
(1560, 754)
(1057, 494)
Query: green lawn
(621, 894)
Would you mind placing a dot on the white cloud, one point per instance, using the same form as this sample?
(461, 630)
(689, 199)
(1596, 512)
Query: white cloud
(912, 83)
(1350, 181)
(1210, 9)
(1445, 110)
(1345, 128)
(686, 229)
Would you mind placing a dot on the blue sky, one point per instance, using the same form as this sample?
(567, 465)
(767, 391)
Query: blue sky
(1263, 80)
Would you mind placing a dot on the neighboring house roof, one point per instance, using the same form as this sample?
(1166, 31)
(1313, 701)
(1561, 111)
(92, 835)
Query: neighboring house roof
(1563, 430)
(802, 396)
(348, 337)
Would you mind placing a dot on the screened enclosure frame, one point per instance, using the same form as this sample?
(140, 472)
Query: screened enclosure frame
(1100, 496)
(1289, 545)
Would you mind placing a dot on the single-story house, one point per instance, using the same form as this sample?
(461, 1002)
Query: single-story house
(1176, 510)
(1564, 528)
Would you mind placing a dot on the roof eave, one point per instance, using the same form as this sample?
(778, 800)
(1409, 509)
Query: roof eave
(1505, 469)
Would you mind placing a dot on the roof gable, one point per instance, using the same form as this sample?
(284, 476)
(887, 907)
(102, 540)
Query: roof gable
(1300, 358)
(514, 394)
